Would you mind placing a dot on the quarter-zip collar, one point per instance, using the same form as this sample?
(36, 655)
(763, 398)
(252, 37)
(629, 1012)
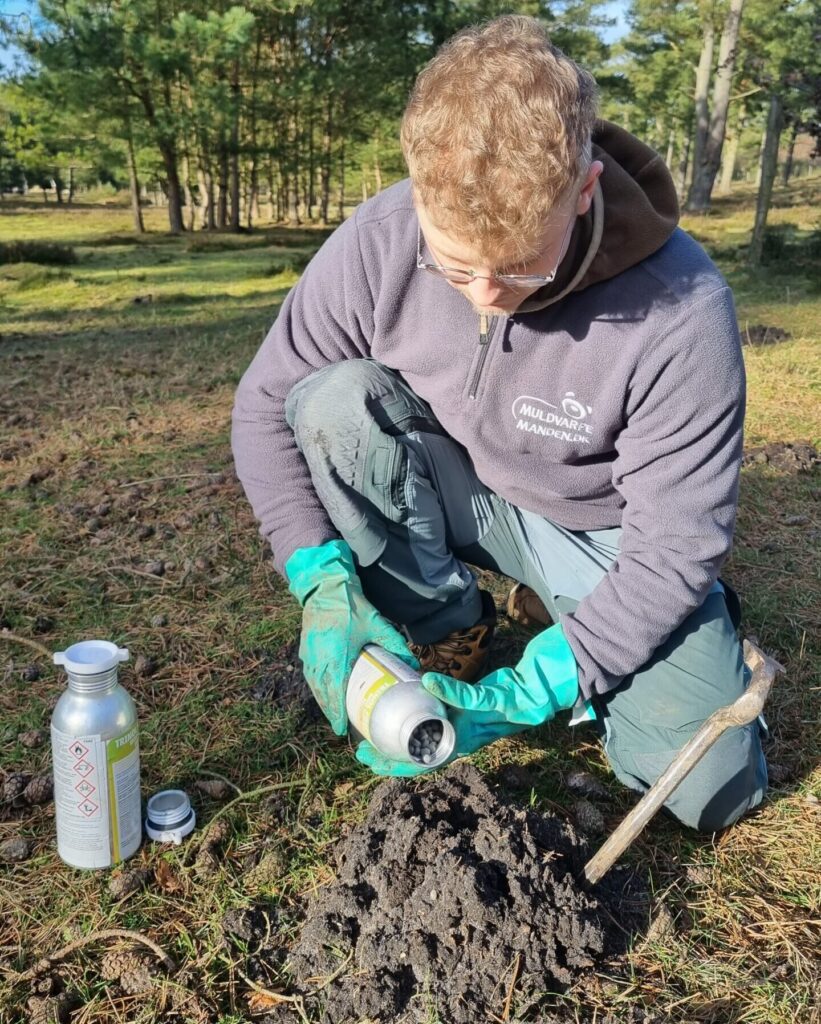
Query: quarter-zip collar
(487, 328)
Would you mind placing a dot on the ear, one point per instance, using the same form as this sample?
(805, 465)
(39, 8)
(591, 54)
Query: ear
(588, 188)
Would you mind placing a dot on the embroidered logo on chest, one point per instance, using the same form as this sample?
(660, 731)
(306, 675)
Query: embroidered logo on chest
(569, 421)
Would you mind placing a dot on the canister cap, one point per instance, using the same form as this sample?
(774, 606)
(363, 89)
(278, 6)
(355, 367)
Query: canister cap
(169, 816)
(90, 657)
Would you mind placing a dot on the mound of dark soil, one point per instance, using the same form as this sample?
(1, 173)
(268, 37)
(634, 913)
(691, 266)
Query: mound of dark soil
(800, 457)
(451, 901)
(764, 334)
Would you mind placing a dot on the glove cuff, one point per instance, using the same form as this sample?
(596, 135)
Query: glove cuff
(554, 649)
(307, 568)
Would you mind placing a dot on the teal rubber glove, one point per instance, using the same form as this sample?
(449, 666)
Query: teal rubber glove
(337, 622)
(379, 764)
(510, 699)
(503, 703)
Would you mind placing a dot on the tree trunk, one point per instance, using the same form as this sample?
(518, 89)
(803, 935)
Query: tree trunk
(202, 195)
(168, 152)
(377, 169)
(683, 165)
(342, 181)
(222, 185)
(364, 183)
(190, 205)
(282, 201)
(787, 169)
(169, 159)
(310, 197)
(254, 214)
(211, 201)
(234, 148)
(768, 167)
(292, 191)
(271, 193)
(70, 184)
(325, 166)
(134, 182)
(759, 169)
(703, 73)
(731, 153)
(252, 204)
(671, 148)
(293, 186)
(57, 185)
(698, 201)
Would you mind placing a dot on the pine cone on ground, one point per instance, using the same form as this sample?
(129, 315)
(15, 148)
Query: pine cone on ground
(129, 880)
(208, 861)
(139, 979)
(214, 788)
(48, 985)
(268, 872)
(49, 1009)
(131, 971)
(33, 738)
(216, 833)
(40, 790)
(114, 963)
(13, 850)
(13, 786)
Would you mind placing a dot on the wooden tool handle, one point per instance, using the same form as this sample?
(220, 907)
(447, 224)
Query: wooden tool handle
(742, 711)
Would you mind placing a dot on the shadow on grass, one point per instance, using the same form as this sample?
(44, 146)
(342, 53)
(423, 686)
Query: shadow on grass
(124, 332)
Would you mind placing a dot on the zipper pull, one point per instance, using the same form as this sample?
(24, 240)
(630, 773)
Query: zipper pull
(483, 329)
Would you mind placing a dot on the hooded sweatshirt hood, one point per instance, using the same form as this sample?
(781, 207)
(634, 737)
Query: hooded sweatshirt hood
(633, 213)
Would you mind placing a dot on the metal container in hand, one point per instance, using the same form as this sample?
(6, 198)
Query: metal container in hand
(389, 707)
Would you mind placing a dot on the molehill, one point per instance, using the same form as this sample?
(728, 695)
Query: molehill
(449, 898)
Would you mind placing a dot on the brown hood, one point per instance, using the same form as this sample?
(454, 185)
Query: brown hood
(634, 212)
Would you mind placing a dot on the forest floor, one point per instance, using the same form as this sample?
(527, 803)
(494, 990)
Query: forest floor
(122, 519)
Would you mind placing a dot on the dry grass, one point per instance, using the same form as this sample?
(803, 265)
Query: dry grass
(108, 402)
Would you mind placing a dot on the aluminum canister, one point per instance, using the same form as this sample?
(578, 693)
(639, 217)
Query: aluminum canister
(388, 706)
(96, 757)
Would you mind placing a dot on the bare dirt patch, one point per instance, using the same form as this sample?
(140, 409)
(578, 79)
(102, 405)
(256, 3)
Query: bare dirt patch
(797, 457)
(282, 684)
(450, 896)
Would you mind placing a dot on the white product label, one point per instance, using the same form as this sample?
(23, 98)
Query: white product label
(96, 797)
(369, 680)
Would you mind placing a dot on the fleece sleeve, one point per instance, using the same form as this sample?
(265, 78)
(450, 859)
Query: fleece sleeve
(677, 467)
(327, 317)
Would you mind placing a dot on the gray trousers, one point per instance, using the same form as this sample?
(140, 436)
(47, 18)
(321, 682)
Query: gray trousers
(406, 499)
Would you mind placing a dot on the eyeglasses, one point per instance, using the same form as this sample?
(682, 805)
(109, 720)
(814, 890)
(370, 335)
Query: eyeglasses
(457, 276)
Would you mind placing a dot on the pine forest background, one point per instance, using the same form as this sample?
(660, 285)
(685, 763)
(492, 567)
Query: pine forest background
(231, 116)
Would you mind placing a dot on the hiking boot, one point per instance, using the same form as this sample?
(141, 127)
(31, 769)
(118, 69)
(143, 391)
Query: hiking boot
(526, 607)
(461, 654)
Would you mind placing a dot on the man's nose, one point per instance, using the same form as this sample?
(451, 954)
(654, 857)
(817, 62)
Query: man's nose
(486, 292)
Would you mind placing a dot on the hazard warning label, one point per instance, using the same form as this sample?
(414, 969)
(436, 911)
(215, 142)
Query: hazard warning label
(97, 797)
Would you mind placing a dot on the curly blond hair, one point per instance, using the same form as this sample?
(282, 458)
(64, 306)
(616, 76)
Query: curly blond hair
(497, 133)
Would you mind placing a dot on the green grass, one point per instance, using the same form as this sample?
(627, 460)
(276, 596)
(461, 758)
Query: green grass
(105, 391)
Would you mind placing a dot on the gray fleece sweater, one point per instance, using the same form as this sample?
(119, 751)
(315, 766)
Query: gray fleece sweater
(616, 398)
